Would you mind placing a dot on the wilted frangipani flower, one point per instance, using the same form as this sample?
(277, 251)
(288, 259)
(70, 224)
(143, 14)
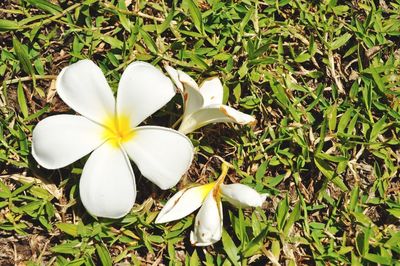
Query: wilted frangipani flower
(109, 128)
(208, 222)
(203, 104)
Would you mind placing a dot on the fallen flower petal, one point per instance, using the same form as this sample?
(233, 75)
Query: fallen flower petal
(62, 139)
(212, 91)
(242, 196)
(142, 90)
(208, 222)
(107, 186)
(184, 203)
(84, 88)
(160, 153)
(213, 114)
(192, 98)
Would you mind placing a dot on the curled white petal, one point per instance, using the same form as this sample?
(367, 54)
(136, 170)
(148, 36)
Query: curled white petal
(212, 91)
(181, 79)
(142, 90)
(192, 98)
(174, 75)
(242, 196)
(107, 186)
(213, 114)
(162, 155)
(236, 116)
(208, 222)
(187, 81)
(183, 203)
(204, 105)
(85, 89)
(62, 139)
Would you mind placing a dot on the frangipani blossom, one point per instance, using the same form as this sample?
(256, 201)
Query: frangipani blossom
(209, 220)
(109, 128)
(203, 105)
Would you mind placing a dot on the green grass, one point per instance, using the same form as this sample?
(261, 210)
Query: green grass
(322, 78)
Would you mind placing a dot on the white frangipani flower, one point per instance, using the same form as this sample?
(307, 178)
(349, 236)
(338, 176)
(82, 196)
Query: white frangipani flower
(209, 220)
(203, 105)
(109, 128)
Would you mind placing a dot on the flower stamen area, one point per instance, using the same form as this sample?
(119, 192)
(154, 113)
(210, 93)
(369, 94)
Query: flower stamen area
(118, 130)
(205, 189)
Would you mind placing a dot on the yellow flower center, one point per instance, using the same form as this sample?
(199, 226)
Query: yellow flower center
(205, 189)
(118, 130)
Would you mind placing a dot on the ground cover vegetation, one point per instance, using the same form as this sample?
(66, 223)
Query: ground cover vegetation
(321, 78)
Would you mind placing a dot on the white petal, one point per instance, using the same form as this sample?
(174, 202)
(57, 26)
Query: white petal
(213, 114)
(84, 88)
(193, 101)
(142, 90)
(242, 196)
(181, 79)
(187, 81)
(107, 186)
(208, 223)
(162, 155)
(192, 98)
(184, 203)
(174, 75)
(60, 140)
(212, 91)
